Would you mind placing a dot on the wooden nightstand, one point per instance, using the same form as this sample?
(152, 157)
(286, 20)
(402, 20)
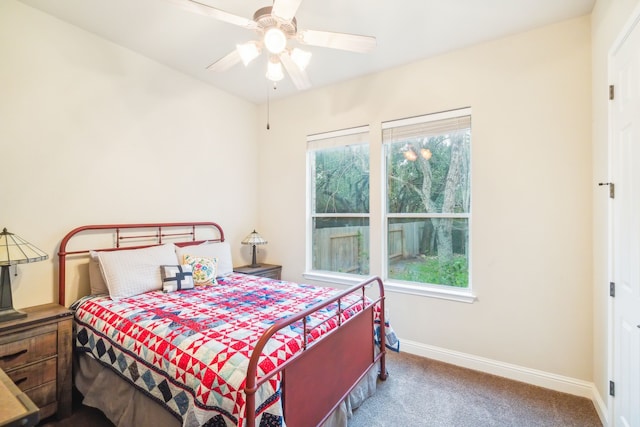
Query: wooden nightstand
(35, 353)
(265, 270)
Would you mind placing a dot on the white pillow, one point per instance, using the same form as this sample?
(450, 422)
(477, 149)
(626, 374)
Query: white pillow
(96, 281)
(219, 250)
(135, 271)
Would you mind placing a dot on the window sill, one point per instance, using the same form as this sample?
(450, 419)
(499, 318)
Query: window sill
(335, 278)
(441, 292)
(432, 291)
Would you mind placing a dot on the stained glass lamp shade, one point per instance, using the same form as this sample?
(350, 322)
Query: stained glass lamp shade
(254, 239)
(14, 250)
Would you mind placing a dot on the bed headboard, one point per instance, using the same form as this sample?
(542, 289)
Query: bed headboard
(112, 237)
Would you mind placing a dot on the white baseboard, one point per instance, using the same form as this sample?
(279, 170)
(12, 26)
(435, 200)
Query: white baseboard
(601, 407)
(514, 372)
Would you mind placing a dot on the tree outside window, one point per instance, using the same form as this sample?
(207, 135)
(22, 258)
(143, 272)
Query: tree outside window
(428, 198)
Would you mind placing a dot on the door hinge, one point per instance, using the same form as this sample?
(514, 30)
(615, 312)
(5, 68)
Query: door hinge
(612, 289)
(611, 92)
(612, 388)
(612, 189)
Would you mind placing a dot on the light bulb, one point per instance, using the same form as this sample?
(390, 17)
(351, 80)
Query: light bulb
(248, 52)
(275, 40)
(274, 70)
(426, 153)
(410, 155)
(301, 58)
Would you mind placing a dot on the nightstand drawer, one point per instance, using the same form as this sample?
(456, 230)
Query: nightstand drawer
(270, 271)
(33, 375)
(27, 349)
(43, 395)
(16, 409)
(273, 274)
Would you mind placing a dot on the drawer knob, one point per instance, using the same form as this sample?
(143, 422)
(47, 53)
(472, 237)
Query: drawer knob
(13, 355)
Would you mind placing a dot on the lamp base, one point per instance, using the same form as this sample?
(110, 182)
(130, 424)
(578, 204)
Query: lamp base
(254, 263)
(11, 314)
(7, 312)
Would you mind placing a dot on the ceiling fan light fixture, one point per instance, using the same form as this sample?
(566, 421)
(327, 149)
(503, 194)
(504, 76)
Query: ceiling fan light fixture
(275, 40)
(248, 52)
(276, 25)
(301, 58)
(274, 70)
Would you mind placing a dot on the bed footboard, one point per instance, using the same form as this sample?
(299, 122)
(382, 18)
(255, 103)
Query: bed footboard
(313, 388)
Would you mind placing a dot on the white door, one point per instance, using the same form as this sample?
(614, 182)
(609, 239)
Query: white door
(625, 174)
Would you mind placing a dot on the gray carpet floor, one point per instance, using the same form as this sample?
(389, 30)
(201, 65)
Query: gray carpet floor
(422, 392)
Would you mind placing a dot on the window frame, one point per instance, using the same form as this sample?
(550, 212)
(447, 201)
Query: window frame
(314, 143)
(416, 288)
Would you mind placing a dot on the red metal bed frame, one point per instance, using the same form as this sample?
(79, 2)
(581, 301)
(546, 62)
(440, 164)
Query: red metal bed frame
(311, 388)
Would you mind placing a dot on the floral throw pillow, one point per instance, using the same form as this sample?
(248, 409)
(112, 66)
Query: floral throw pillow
(203, 269)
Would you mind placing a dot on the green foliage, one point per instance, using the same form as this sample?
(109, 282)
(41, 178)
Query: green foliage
(342, 180)
(429, 270)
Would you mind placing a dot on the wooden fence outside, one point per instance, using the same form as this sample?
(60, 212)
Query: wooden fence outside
(346, 249)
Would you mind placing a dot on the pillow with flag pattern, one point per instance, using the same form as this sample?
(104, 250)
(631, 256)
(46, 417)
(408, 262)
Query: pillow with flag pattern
(176, 277)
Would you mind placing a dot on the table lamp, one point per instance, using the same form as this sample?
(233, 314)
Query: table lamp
(13, 250)
(254, 239)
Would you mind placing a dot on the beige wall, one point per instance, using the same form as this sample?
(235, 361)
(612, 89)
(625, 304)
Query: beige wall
(607, 20)
(531, 164)
(94, 133)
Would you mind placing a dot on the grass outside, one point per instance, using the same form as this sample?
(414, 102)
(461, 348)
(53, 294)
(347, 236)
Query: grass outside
(425, 269)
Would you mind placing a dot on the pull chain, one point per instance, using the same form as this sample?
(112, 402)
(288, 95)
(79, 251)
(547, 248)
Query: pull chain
(268, 104)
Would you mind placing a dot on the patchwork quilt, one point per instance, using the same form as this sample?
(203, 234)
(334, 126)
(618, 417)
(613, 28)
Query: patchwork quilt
(189, 349)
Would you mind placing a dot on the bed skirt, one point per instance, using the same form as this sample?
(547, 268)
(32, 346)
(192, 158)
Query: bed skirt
(126, 406)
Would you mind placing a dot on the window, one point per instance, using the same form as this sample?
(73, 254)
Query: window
(428, 199)
(338, 165)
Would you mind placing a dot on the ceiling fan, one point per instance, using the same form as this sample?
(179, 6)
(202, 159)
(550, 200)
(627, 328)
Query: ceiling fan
(276, 25)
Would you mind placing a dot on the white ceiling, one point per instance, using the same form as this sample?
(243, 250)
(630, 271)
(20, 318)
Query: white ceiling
(406, 31)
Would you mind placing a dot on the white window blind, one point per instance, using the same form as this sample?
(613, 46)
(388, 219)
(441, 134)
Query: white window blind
(427, 125)
(339, 138)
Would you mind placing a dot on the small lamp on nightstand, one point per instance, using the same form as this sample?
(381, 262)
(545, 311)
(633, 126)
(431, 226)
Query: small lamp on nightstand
(254, 239)
(13, 250)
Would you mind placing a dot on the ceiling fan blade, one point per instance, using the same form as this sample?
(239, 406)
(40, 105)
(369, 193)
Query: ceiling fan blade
(344, 41)
(226, 62)
(221, 15)
(285, 9)
(298, 76)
